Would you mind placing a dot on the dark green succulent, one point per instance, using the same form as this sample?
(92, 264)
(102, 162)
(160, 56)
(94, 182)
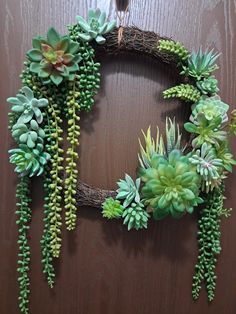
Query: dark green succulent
(28, 161)
(128, 190)
(95, 27)
(54, 58)
(223, 152)
(208, 85)
(171, 186)
(112, 208)
(135, 216)
(27, 106)
(232, 123)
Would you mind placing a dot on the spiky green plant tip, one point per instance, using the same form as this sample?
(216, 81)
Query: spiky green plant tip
(184, 92)
(112, 208)
(173, 48)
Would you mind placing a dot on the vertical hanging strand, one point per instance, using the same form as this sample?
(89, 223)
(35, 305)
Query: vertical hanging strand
(24, 216)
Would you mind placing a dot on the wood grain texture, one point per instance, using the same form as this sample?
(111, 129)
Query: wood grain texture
(104, 268)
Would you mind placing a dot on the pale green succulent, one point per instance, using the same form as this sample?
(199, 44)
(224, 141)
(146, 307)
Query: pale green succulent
(135, 216)
(211, 107)
(208, 85)
(29, 161)
(112, 208)
(95, 27)
(27, 106)
(223, 152)
(128, 190)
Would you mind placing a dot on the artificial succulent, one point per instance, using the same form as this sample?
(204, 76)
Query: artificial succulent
(27, 106)
(232, 123)
(95, 27)
(171, 185)
(135, 216)
(28, 161)
(173, 48)
(112, 208)
(223, 152)
(208, 85)
(54, 58)
(128, 190)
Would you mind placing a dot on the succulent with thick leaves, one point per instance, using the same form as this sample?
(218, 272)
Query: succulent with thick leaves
(186, 92)
(211, 107)
(223, 152)
(54, 58)
(95, 27)
(112, 208)
(201, 64)
(171, 186)
(173, 48)
(28, 161)
(208, 85)
(135, 216)
(128, 190)
(27, 106)
(206, 131)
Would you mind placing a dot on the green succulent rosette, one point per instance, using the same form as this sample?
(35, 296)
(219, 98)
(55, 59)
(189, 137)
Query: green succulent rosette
(112, 208)
(135, 216)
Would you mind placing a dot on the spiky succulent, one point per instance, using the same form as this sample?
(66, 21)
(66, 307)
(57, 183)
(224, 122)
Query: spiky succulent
(211, 107)
(28, 161)
(27, 106)
(135, 216)
(201, 64)
(208, 85)
(206, 131)
(223, 152)
(95, 27)
(171, 186)
(112, 208)
(128, 190)
(54, 58)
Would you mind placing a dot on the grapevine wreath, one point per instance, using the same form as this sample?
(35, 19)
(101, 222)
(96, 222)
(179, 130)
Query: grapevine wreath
(60, 78)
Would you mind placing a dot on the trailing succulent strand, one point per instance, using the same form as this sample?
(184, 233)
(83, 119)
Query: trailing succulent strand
(173, 48)
(24, 216)
(209, 243)
(185, 92)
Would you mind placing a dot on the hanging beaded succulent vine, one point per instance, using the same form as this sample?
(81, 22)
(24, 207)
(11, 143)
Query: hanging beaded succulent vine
(59, 81)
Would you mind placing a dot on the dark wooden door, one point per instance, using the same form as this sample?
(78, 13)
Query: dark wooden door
(104, 269)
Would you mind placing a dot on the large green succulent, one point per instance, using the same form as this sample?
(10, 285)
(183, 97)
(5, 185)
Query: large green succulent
(201, 64)
(208, 85)
(54, 58)
(29, 161)
(95, 27)
(128, 190)
(135, 216)
(112, 208)
(27, 106)
(171, 186)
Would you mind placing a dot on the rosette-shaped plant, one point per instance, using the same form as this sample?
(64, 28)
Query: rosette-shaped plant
(171, 186)
(29, 161)
(223, 153)
(54, 58)
(208, 85)
(135, 216)
(112, 208)
(211, 107)
(27, 106)
(95, 27)
(128, 190)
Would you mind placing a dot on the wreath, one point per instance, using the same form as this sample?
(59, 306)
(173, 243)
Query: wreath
(59, 81)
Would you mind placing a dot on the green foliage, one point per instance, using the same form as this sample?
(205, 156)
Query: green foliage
(208, 86)
(27, 106)
(209, 243)
(184, 92)
(55, 58)
(135, 216)
(223, 152)
(232, 123)
(112, 208)
(128, 190)
(173, 48)
(95, 27)
(29, 162)
(201, 64)
(171, 185)
(24, 216)
(206, 131)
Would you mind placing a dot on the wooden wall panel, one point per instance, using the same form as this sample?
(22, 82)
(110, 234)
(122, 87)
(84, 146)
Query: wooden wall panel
(103, 268)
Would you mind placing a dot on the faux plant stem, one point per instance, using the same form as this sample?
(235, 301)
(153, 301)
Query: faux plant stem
(24, 214)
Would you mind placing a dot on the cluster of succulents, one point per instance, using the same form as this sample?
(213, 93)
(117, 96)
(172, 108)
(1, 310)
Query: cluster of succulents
(112, 208)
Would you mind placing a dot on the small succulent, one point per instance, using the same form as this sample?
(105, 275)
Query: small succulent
(206, 131)
(209, 166)
(171, 186)
(112, 208)
(135, 216)
(128, 190)
(27, 106)
(173, 48)
(201, 64)
(54, 58)
(186, 92)
(23, 134)
(95, 27)
(208, 85)
(29, 161)
(232, 123)
(223, 152)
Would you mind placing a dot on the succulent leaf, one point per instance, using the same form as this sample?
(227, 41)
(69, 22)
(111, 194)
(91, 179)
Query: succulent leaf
(112, 208)
(128, 190)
